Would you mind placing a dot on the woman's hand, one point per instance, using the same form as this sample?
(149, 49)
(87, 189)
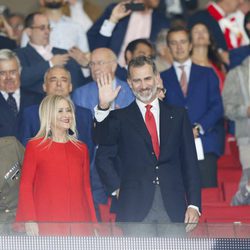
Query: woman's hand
(32, 229)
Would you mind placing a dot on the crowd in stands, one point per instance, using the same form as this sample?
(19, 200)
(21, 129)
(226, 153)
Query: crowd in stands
(61, 58)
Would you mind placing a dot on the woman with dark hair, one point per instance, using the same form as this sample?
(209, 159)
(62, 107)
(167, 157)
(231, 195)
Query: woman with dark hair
(205, 51)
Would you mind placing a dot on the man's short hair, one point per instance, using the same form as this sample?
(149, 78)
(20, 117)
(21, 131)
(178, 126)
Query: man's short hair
(178, 29)
(133, 44)
(29, 20)
(56, 67)
(6, 54)
(141, 61)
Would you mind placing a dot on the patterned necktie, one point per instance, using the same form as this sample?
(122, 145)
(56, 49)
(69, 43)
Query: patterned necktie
(151, 126)
(12, 103)
(183, 81)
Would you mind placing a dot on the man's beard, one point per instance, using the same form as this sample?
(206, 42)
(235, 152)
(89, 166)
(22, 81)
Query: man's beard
(148, 97)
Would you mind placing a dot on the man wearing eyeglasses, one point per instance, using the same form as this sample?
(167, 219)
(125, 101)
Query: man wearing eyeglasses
(38, 56)
(197, 89)
(103, 62)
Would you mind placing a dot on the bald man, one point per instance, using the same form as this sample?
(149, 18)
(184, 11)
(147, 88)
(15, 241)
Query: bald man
(103, 62)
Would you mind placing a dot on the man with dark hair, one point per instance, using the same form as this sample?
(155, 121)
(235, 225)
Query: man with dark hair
(196, 88)
(138, 47)
(157, 179)
(38, 56)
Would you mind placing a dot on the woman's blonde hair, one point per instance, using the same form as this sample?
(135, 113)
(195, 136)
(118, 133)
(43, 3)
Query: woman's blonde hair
(47, 114)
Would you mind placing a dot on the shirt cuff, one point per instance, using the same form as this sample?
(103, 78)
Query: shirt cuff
(100, 115)
(107, 28)
(196, 208)
(50, 64)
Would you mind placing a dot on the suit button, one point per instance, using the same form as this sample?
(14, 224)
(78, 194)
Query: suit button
(156, 167)
(157, 178)
(7, 210)
(154, 182)
(153, 153)
(157, 182)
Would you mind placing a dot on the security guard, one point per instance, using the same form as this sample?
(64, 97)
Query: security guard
(11, 157)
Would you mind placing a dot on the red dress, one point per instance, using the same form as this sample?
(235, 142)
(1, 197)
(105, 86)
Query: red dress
(55, 187)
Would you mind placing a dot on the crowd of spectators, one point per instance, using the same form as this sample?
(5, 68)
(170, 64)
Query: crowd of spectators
(202, 56)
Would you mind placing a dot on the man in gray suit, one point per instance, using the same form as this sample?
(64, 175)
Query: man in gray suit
(236, 100)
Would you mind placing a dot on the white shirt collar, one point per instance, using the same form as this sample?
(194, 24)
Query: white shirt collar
(187, 63)
(142, 106)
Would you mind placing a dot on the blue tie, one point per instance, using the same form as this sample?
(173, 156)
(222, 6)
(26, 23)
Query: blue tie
(12, 103)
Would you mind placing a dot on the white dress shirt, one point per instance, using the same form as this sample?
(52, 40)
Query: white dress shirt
(187, 68)
(16, 95)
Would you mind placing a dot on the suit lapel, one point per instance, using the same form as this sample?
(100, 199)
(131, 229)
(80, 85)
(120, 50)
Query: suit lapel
(194, 79)
(166, 118)
(136, 119)
(173, 81)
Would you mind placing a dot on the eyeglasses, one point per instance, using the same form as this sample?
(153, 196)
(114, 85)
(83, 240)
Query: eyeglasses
(164, 90)
(99, 63)
(41, 27)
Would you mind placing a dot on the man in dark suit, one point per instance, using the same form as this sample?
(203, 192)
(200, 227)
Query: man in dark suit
(38, 56)
(157, 177)
(197, 89)
(57, 81)
(13, 99)
(118, 26)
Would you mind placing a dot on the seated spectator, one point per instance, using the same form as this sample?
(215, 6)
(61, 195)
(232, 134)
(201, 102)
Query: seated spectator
(118, 26)
(13, 98)
(11, 155)
(204, 51)
(57, 81)
(138, 47)
(39, 55)
(236, 102)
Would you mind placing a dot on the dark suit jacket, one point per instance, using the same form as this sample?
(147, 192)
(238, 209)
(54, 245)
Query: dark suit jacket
(203, 103)
(96, 40)
(123, 136)
(238, 55)
(203, 16)
(6, 43)
(30, 124)
(34, 68)
(9, 123)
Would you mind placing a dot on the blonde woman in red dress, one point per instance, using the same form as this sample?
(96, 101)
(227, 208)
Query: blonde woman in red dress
(55, 193)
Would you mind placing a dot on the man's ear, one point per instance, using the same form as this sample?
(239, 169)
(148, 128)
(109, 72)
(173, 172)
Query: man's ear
(28, 31)
(128, 56)
(70, 88)
(129, 83)
(44, 88)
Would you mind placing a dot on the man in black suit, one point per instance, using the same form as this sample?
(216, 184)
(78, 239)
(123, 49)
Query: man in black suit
(38, 56)
(146, 153)
(13, 99)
